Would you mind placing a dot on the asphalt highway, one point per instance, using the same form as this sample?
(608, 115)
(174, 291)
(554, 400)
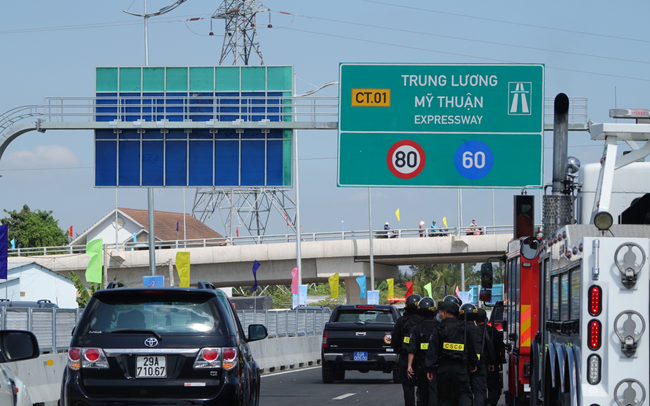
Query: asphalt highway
(303, 387)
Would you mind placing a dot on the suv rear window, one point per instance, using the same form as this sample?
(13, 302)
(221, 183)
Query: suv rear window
(161, 313)
(365, 315)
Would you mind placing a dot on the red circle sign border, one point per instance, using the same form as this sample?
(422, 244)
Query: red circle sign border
(399, 174)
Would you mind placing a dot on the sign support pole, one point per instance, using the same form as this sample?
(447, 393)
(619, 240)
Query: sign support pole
(152, 235)
(297, 177)
(372, 262)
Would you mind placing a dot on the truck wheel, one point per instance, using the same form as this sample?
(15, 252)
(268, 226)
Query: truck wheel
(328, 374)
(339, 374)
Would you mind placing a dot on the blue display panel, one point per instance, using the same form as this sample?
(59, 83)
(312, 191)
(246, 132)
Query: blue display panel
(196, 158)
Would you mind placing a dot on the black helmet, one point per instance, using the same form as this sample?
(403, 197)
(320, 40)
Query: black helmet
(481, 315)
(453, 299)
(411, 304)
(449, 307)
(468, 312)
(426, 307)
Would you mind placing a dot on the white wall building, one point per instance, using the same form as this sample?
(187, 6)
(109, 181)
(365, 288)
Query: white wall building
(28, 281)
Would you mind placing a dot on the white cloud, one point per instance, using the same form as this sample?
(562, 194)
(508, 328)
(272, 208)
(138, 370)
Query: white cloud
(41, 156)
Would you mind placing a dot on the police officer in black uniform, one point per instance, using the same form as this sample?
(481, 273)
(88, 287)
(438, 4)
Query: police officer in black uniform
(449, 355)
(454, 299)
(420, 337)
(400, 342)
(484, 351)
(495, 376)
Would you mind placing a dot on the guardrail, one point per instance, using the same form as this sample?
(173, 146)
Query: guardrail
(287, 323)
(53, 327)
(271, 239)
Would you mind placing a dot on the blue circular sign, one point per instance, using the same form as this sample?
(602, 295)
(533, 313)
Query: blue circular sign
(473, 160)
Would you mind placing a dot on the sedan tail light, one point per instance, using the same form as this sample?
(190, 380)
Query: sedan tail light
(229, 358)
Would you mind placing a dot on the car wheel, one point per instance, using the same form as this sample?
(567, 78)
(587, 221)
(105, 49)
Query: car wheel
(328, 374)
(339, 374)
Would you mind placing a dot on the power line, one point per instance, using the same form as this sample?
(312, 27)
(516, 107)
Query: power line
(468, 39)
(463, 55)
(97, 25)
(509, 22)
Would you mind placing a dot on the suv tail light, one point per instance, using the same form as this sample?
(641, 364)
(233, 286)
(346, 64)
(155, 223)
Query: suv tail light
(208, 358)
(324, 339)
(229, 358)
(73, 358)
(86, 358)
(225, 358)
(595, 300)
(594, 332)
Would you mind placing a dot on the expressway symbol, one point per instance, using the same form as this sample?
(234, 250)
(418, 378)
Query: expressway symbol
(519, 97)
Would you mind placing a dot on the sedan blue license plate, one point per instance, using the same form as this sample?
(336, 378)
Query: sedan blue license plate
(361, 356)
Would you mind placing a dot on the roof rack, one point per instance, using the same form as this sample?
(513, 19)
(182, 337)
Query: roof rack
(205, 285)
(115, 285)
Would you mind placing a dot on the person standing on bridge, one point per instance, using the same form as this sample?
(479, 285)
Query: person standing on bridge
(400, 342)
(421, 229)
(448, 356)
(418, 346)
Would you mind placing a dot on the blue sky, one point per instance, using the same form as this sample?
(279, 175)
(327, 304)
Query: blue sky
(592, 49)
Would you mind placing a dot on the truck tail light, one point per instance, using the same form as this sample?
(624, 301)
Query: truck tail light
(325, 339)
(365, 307)
(593, 366)
(595, 300)
(594, 334)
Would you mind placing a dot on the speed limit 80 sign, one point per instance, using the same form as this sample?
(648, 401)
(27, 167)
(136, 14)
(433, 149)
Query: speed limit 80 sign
(406, 159)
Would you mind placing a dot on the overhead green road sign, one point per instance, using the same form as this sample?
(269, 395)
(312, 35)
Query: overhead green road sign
(444, 160)
(443, 125)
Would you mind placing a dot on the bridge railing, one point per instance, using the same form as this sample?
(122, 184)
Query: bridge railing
(271, 239)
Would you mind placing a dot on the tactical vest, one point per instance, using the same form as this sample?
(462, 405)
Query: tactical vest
(452, 341)
(407, 325)
(424, 332)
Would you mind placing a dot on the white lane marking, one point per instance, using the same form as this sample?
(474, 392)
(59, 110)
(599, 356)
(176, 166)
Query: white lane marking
(347, 395)
(288, 372)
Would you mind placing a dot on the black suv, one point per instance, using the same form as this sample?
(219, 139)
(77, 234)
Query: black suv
(161, 346)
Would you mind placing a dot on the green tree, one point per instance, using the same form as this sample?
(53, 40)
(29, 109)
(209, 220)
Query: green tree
(84, 296)
(34, 228)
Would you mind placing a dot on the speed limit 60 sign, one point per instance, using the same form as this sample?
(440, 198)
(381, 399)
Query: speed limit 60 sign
(441, 125)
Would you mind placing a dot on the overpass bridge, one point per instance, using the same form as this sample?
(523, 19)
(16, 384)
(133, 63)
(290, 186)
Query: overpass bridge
(228, 262)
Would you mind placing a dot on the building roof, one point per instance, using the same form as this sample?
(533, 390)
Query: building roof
(164, 225)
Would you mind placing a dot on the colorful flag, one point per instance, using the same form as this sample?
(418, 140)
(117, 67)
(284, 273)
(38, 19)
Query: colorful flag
(4, 231)
(287, 219)
(334, 286)
(397, 214)
(444, 221)
(255, 266)
(13, 243)
(457, 292)
(409, 288)
(176, 225)
(427, 287)
(237, 230)
(70, 231)
(294, 281)
(391, 292)
(95, 250)
(361, 280)
(183, 269)
(135, 238)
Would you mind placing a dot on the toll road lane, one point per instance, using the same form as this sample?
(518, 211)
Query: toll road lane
(304, 386)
